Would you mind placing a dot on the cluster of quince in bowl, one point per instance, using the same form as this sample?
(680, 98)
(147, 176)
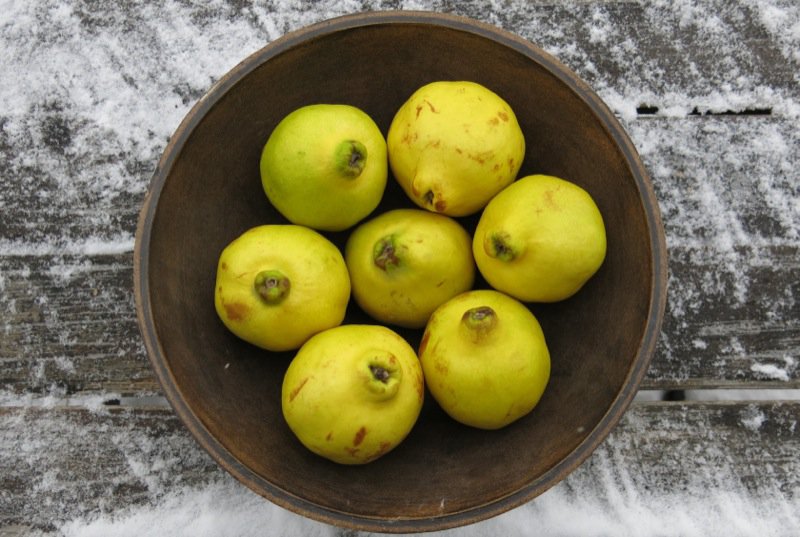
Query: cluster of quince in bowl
(353, 392)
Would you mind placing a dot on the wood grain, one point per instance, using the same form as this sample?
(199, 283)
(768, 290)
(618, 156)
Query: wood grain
(119, 459)
(728, 191)
(732, 313)
(79, 141)
(70, 326)
(670, 54)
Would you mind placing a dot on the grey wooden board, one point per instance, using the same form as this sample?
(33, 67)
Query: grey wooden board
(730, 209)
(72, 173)
(97, 90)
(58, 464)
(729, 192)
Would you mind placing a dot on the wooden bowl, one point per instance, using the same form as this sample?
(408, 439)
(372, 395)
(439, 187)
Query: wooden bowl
(207, 190)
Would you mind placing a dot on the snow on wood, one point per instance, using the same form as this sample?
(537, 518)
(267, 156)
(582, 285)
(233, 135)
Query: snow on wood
(692, 468)
(709, 91)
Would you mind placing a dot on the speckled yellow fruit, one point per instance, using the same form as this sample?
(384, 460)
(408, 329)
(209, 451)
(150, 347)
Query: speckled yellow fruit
(325, 166)
(453, 145)
(404, 263)
(485, 359)
(353, 393)
(540, 239)
(277, 285)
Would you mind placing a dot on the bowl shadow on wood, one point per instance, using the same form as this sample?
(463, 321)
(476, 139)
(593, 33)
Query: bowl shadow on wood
(207, 191)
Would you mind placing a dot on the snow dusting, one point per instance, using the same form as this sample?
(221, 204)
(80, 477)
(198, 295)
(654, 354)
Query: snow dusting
(94, 90)
(770, 371)
(222, 508)
(611, 503)
(752, 418)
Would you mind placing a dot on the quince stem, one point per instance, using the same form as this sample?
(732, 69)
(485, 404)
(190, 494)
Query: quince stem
(499, 245)
(380, 373)
(350, 157)
(384, 376)
(479, 321)
(384, 253)
(272, 286)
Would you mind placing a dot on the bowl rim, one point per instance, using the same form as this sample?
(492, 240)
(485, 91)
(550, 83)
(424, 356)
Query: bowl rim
(298, 505)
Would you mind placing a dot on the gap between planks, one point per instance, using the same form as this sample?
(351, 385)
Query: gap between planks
(159, 402)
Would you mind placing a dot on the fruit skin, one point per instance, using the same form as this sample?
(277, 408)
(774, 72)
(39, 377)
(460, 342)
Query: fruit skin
(485, 371)
(316, 298)
(540, 239)
(307, 175)
(453, 145)
(338, 407)
(406, 262)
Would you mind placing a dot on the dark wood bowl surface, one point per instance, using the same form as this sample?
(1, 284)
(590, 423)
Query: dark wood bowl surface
(206, 191)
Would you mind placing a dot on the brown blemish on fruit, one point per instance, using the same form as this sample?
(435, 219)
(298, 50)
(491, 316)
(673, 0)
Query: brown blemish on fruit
(496, 167)
(441, 283)
(480, 158)
(297, 389)
(434, 144)
(420, 386)
(237, 311)
(224, 266)
(359, 437)
(383, 448)
(549, 199)
(441, 367)
(494, 121)
(459, 150)
(424, 343)
(329, 436)
(351, 451)
(511, 163)
(440, 205)
(430, 105)
(502, 115)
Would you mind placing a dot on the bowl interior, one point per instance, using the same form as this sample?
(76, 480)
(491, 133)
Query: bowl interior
(207, 191)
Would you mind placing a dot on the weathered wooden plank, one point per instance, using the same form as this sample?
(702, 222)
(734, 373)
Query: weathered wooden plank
(675, 56)
(728, 189)
(78, 144)
(58, 463)
(73, 329)
(729, 192)
(76, 166)
(70, 326)
(62, 465)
